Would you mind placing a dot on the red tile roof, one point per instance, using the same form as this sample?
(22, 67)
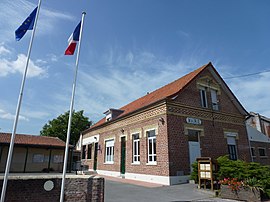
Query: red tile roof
(32, 140)
(162, 93)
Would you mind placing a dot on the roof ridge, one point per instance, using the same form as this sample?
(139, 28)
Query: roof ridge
(29, 135)
(171, 83)
(163, 92)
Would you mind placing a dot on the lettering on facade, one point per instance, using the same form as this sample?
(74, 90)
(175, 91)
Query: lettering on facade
(193, 121)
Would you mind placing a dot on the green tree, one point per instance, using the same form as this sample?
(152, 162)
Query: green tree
(58, 126)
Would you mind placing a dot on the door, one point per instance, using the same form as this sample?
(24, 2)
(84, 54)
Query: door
(194, 146)
(95, 157)
(123, 155)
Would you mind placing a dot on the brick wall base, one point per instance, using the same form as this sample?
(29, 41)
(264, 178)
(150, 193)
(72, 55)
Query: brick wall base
(78, 188)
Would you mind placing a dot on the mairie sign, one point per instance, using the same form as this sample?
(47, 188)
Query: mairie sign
(193, 121)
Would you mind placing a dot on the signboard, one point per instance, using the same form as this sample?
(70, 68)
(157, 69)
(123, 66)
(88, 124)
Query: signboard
(193, 121)
(205, 171)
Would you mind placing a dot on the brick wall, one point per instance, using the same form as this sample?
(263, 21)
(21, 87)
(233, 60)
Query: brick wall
(213, 142)
(78, 188)
(162, 167)
(264, 160)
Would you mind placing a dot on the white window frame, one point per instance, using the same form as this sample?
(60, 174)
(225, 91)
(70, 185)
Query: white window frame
(109, 151)
(231, 143)
(136, 147)
(203, 96)
(214, 99)
(153, 155)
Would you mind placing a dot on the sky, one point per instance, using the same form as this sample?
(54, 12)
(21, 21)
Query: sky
(128, 48)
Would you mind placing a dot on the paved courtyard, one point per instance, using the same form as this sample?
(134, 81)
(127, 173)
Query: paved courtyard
(120, 191)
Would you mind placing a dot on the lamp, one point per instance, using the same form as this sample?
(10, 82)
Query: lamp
(161, 119)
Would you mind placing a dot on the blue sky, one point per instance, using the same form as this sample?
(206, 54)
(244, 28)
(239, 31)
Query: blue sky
(129, 48)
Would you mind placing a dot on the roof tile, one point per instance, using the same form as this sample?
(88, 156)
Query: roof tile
(23, 139)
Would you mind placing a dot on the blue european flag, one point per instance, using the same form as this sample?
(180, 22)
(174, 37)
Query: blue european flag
(28, 24)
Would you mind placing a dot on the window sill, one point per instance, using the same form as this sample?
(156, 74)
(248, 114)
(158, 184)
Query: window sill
(151, 164)
(136, 163)
(108, 163)
(263, 157)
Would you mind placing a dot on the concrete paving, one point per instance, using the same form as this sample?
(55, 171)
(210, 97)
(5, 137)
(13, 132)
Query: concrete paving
(123, 191)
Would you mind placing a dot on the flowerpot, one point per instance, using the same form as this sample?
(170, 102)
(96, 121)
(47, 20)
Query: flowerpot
(243, 194)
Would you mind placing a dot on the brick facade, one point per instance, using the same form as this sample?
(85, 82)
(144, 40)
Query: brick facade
(264, 160)
(169, 118)
(78, 188)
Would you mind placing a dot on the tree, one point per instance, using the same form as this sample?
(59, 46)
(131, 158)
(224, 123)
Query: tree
(58, 126)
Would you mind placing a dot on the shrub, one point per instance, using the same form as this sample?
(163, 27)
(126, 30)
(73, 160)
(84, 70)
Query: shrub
(194, 173)
(253, 175)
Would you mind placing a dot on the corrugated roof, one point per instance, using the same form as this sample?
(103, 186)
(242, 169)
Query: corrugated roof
(23, 139)
(164, 92)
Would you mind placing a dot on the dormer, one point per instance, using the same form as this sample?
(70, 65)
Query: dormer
(112, 114)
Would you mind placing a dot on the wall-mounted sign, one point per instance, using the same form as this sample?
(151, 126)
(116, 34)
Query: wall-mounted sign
(193, 121)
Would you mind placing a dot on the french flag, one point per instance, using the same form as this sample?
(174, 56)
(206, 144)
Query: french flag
(72, 41)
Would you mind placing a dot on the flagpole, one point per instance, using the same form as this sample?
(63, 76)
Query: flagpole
(10, 152)
(70, 112)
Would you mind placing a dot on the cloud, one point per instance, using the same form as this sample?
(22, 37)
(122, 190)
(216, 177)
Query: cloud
(9, 116)
(3, 50)
(9, 66)
(253, 92)
(13, 13)
(119, 78)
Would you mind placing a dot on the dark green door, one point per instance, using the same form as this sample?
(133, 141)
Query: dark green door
(123, 155)
(95, 157)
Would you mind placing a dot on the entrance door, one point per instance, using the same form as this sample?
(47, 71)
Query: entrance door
(123, 155)
(95, 156)
(194, 146)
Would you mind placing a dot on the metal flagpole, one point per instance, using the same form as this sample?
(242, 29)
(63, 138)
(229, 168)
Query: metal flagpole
(70, 113)
(4, 187)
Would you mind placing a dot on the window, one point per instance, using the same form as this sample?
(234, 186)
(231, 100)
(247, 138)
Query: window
(57, 158)
(109, 153)
(136, 148)
(214, 99)
(151, 140)
(193, 135)
(83, 151)
(253, 151)
(203, 97)
(38, 158)
(89, 151)
(232, 147)
(262, 152)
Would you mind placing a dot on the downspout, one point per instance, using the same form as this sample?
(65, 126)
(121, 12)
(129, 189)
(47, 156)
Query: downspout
(249, 145)
(49, 163)
(25, 162)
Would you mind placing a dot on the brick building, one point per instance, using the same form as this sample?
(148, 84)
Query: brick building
(156, 137)
(258, 129)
